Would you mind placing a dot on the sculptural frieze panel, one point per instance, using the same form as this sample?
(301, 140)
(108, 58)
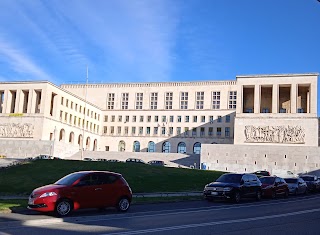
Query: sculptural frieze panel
(16, 130)
(274, 134)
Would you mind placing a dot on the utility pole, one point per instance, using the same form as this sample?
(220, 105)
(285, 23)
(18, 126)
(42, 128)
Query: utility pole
(84, 113)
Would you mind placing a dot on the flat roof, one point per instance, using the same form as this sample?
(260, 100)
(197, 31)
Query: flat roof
(278, 75)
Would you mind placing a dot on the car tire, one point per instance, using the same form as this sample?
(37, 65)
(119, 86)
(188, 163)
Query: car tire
(63, 208)
(258, 195)
(237, 197)
(123, 204)
(273, 195)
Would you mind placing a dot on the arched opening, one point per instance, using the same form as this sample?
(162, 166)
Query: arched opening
(151, 147)
(71, 137)
(182, 148)
(80, 142)
(166, 147)
(62, 135)
(197, 148)
(136, 146)
(121, 146)
(95, 145)
(88, 143)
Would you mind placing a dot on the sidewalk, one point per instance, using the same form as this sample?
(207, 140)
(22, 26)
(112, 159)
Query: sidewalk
(135, 195)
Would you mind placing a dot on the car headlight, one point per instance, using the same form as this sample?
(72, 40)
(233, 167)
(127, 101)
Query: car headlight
(227, 189)
(49, 194)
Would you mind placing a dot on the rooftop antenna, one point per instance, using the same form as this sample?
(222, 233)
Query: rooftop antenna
(84, 113)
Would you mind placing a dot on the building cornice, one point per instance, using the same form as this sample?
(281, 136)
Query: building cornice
(278, 75)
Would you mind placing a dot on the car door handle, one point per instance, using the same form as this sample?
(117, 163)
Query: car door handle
(96, 189)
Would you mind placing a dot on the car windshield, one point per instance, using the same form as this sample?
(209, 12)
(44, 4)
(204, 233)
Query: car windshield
(308, 178)
(70, 179)
(267, 180)
(230, 178)
(291, 181)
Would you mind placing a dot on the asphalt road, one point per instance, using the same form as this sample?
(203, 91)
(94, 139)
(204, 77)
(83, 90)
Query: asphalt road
(295, 215)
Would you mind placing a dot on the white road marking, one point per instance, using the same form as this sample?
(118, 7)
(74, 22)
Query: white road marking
(143, 231)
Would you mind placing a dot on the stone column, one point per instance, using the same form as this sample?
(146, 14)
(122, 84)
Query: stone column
(5, 101)
(293, 98)
(9, 101)
(19, 102)
(239, 108)
(44, 106)
(275, 98)
(257, 92)
(32, 101)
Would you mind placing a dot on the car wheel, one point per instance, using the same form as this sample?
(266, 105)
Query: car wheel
(273, 195)
(63, 207)
(237, 197)
(123, 204)
(258, 195)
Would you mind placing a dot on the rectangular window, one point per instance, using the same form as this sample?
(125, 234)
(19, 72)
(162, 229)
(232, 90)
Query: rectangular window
(219, 119)
(164, 118)
(156, 118)
(148, 118)
(75, 120)
(154, 100)
(139, 99)
(266, 110)
(119, 118)
(127, 118)
(199, 99)
(203, 118)
(195, 118)
(202, 132)
(216, 100)
(219, 131)
(148, 130)
(232, 99)
(211, 119)
(186, 118)
(126, 130)
(119, 130)
(184, 100)
(170, 130)
(65, 117)
(113, 118)
(67, 103)
(194, 132)
(62, 100)
(179, 119)
(70, 118)
(124, 100)
(141, 118)
(186, 131)
(105, 129)
(110, 101)
(134, 118)
(133, 130)
(155, 130)
(105, 118)
(71, 105)
(171, 119)
(227, 132)
(178, 130)
(76, 107)
(227, 118)
(210, 131)
(168, 102)
(140, 130)
(61, 114)
(163, 130)
(112, 130)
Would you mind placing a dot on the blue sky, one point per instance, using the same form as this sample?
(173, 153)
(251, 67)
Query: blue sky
(156, 40)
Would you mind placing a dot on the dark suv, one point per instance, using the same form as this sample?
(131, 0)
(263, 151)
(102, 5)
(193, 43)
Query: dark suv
(233, 186)
(312, 181)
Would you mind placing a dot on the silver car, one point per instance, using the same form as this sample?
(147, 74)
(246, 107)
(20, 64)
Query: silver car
(297, 186)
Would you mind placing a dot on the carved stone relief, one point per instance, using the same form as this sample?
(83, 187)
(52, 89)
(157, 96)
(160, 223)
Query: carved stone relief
(274, 134)
(16, 130)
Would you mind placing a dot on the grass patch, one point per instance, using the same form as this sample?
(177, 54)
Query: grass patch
(12, 205)
(22, 179)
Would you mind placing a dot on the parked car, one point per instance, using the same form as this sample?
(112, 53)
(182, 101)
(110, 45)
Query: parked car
(45, 157)
(135, 160)
(262, 173)
(156, 163)
(84, 189)
(313, 182)
(296, 185)
(234, 186)
(88, 159)
(273, 186)
(102, 160)
(113, 160)
(284, 173)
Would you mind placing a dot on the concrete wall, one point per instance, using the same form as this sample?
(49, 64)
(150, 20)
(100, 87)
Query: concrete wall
(249, 158)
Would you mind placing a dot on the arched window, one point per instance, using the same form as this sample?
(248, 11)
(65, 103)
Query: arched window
(182, 148)
(166, 147)
(95, 145)
(62, 135)
(71, 137)
(136, 146)
(151, 147)
(88, 143)
(197, 148)
(121, 146)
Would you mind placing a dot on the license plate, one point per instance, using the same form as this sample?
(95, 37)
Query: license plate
(31, 201)
(214, 193)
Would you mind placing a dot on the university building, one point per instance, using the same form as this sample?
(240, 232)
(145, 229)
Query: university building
(237, 125)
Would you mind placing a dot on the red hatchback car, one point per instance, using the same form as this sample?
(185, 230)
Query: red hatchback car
(84, 189)
(273, 186)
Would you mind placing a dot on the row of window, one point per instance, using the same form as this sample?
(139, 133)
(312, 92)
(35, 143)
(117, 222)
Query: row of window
(168, 100)
(194, 132)
(82, 110)
(267, 110)
(77, 121)
(164, 118)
